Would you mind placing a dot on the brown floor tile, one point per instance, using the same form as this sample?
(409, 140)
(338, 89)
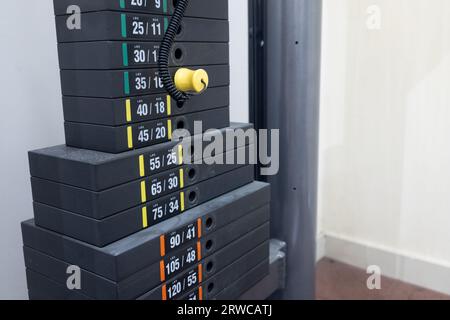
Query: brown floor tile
(338, 281)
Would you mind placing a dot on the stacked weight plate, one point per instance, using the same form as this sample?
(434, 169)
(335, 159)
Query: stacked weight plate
(119, 212)
(113, 98)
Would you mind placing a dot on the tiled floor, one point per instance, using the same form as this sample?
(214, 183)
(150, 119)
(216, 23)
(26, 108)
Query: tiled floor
(337, 281)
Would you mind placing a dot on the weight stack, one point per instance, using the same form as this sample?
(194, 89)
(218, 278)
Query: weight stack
(124, 211)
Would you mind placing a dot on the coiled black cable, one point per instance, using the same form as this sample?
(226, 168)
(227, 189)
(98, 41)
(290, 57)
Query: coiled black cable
(165, 50)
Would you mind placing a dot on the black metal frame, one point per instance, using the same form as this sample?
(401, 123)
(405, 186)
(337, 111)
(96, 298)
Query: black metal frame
(257, 74)
(256, 14)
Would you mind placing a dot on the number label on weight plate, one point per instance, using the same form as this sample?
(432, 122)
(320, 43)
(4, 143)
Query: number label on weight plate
(164, 209)
(165, 183)
(144, 27)
(196, 295)
(170, 266)
(153, 163)
(183, 284)
(150, 133)
(148, 108)
(138, 54)
(142, 82)
(154, 6)
(176, 239)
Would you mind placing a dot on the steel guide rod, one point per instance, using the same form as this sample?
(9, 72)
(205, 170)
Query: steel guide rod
(285, 49)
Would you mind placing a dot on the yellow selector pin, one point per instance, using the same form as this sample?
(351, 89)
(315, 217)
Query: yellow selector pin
(187, 80)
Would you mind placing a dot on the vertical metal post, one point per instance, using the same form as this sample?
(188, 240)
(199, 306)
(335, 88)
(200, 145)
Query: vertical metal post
(292, 41)
(257, 70)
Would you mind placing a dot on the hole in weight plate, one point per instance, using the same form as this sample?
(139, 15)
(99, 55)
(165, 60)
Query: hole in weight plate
(192, 196)
(178, 54)
(180, 124)
(192, 173)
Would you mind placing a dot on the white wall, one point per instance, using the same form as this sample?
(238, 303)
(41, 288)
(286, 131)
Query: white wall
(31, 114)
(31, 117)
(385, 132)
